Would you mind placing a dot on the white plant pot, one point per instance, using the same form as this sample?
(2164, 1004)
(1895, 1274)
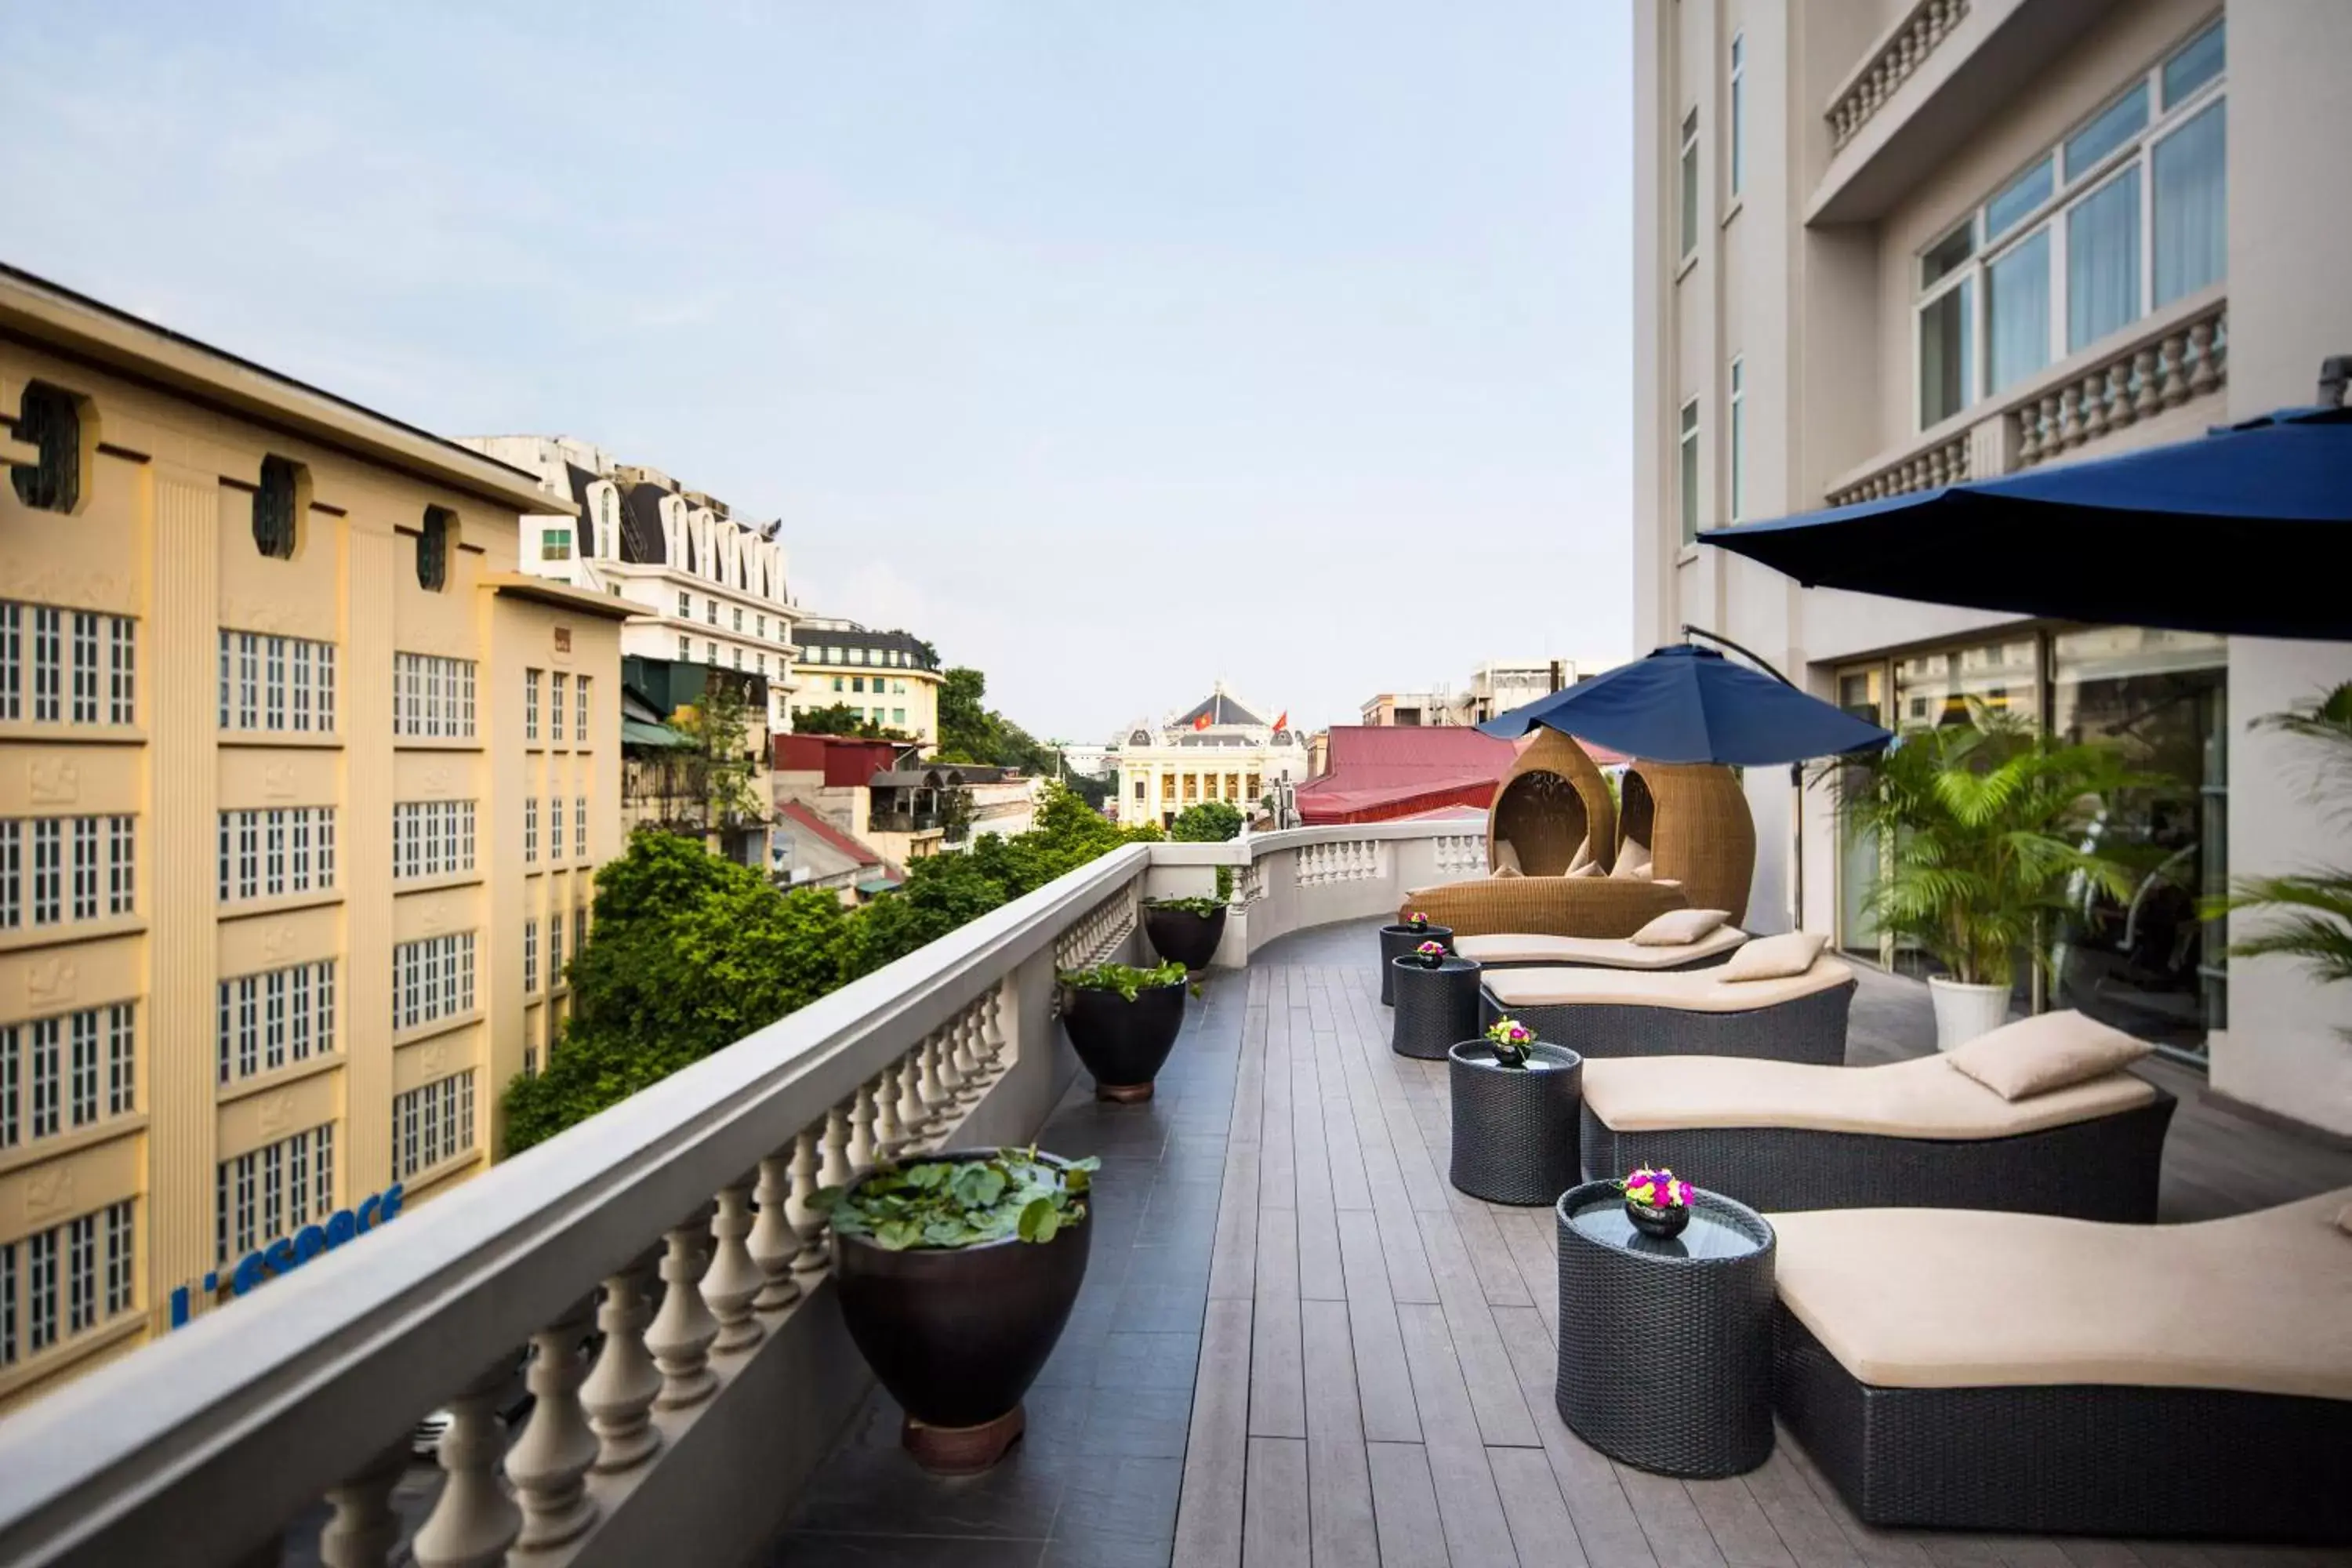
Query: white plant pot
(1964, 1012)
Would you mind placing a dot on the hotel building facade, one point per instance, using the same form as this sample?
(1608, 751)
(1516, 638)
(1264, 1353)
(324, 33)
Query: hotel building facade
(1883, 246)
(302, 783)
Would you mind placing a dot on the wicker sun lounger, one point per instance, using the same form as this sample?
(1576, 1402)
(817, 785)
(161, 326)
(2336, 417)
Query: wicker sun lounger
(1616, 1013)
(2025, 1372)
(1783, 1136)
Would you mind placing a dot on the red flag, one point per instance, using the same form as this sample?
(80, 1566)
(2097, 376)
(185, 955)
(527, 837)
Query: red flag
(1201, 722)
(1282, 720)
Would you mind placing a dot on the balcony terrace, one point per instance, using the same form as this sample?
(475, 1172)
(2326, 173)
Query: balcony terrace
(1297, 1343)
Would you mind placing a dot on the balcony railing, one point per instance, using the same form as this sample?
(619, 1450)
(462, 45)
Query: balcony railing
(1909, 43)
(673, 1234)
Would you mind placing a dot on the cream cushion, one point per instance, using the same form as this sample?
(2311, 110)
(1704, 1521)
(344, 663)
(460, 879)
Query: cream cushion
(1695, 991)
(2035, 1055)
(1962, 1298)
(1590, 868)
(2344, 1220)
(1919, 1099)
(1583, 856)
(1610, 953)
(1632, 861)
(1507, 870)
(1773, 957)
(1679, 928)
(1506, 854)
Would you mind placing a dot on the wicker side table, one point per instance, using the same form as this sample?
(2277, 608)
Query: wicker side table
(1435, 1008)
(1396, 940)
(1515, 1129)
(1665, 1357)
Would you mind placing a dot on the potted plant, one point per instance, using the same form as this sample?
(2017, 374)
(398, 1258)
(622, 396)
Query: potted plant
(955, 1275)
(1984, 844)
(1122, 1022)
(1657, 1201)
(2307, 913)
(1398, 939)
(1515, 1115)
(1430, 955)
(1185, 930)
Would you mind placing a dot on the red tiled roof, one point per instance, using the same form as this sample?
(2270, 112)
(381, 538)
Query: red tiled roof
(1381, 773)
(817, 825)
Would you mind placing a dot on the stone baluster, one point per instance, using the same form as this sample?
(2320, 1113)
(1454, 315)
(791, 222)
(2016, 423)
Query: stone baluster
(913, 1114)
(951, 1079)
(363, 1529)
(774, 1243)
(966, 1045)
(2175, 390)
(473, 1522)
(889, 1133)
(998, 1038)
(2070, 417)
(2095, 406)
(548, 1463)
(837, 1169)
(2121, 411)
(2201, 378)
(939, 1095)
(807, 1221)
(622, 1386)
(2145, 399)
(682, 1331)
(733, 1278)
(860, 1150)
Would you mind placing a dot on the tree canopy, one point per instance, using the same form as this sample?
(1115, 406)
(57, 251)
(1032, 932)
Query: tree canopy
(1207, 821)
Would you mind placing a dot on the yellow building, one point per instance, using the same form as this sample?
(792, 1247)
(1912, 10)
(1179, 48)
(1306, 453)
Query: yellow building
(890, 679)
(300, 784)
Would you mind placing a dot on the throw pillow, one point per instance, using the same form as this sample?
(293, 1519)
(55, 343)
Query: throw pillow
(1680, 928)
(1506, 854)
(1583, 856)
(2344, 1220)
(1633, 862)
(1507, 870)
(1773, 957)
(1590, 868)
(2035, 1056)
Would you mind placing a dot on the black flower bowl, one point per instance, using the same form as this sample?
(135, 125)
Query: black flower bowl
(1662, 1223)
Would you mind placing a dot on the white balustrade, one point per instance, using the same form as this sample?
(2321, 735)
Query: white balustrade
(474, 1520)
(682, 1331)
(2189, 361)
(548, 1463)
(1906, 48)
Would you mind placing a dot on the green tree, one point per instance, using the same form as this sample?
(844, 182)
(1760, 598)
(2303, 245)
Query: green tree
(2307, 914)
(722, 754)
(840, 718)
(1207, 821)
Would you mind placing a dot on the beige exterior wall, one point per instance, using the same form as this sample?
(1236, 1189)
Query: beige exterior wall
(1807, 277)
(163, 538)
(888, 691)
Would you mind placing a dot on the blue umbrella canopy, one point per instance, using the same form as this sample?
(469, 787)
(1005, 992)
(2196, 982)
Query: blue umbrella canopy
(2246, 531)
(1685, 704)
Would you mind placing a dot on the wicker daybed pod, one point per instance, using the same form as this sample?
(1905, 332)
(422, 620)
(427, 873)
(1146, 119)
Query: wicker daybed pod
(1972, 1370)
(1627, 1012)
(1693, 819)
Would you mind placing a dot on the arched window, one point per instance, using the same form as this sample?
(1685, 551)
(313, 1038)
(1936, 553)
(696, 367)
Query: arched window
(275, 502)
(49, 418)
(433, 543)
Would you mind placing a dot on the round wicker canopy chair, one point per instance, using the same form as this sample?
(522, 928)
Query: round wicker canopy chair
(1694, 817)
(1551, 801)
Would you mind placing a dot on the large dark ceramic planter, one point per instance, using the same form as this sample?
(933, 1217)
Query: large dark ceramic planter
(1122, 1043)
(1515, 1129)
(1179, 936)
(1398, 941)
(958, 1334)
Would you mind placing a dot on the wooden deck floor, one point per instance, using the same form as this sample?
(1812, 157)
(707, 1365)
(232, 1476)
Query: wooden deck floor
(1377, 1355)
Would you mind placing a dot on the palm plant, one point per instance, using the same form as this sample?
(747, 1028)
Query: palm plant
(1986, 827)
(2310, 912)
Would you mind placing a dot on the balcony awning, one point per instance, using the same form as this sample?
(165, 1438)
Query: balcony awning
(638, 732)
(2246, 531)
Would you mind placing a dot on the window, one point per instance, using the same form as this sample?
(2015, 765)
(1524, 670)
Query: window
(739, 658)
(555, 949)
(279, 1016)
(579, 826)
(530, 705)
(41, 1304)
(1690, 472)
(432, 696)
(836, 683)
(555, 544)
(432, 1124)
(277, 852)
(897, 715)
(433, 549)
(685, 649)
(432, 978)
(857, 656)
(104, 878)
(2127, 213)
(431, 839)
(531, 956)
(710, 611)
(274, 1192)
(1690, 183)
(684, 606)
(1738, 114)
(579, 710)
(760, 625)
(277, 505)
(556, 694)
(1738, 438)
(83, 670)
(75, 1069)
(578, 930)
(711, 653)
(738, 620)
(529, 828)
(1139, 792)
(555, 828)
(49, 418)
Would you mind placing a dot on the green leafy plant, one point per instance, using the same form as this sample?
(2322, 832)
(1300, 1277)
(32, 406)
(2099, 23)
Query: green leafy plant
(1204, 907)
(1015, 1194)
(2309, 915)
(1985, 828)
(1207, 821)
(1125, 979)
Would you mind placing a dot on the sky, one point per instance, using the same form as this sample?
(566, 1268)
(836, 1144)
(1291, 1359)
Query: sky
(1116, 346)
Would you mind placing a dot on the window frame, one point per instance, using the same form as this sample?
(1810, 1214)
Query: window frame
(1738, 151)
(1692, 205)
(1687, 472)
(1736, 434)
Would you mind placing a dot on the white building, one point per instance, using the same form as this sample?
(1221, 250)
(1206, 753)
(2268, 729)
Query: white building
(1218, 749)
(710, 588)
(1880, 245)
(1495, 686)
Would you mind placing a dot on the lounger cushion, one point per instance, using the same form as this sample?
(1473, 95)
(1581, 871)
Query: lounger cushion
(1506, 854)
(2033, 1056)
(1679, 928)
(1613, 952)
(1773, 957)
(1919, 1099)
(1507, 870)
(1694, 990)
(1963, 1298)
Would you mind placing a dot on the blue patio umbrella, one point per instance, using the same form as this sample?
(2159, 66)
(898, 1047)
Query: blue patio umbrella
(1687, 704)
(2245, 531)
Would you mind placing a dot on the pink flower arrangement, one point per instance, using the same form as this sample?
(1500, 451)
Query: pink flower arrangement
(1658, 1189)
(1433, 953)
(1417, 921)
(1513, 1042)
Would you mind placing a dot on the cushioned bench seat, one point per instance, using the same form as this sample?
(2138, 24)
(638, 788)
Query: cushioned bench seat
(1920, 1098)
(1521, 951)
(1624, 1013)
(2026, 1371)
(1695, 991)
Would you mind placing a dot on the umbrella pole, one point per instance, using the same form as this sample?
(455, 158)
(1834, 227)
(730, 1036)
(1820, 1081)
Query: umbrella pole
(1797, 870)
